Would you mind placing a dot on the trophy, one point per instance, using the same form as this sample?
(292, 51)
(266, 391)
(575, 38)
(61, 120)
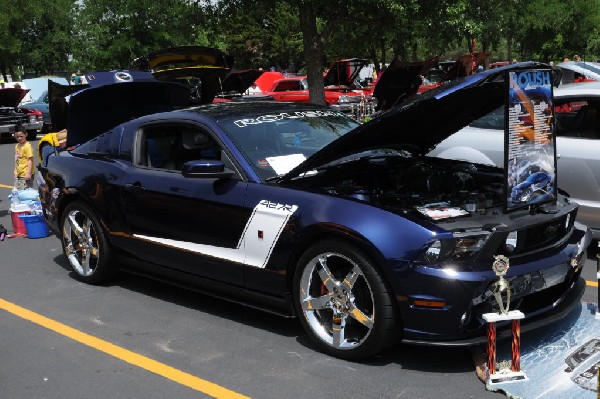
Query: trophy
(500, 267)
(500, 287)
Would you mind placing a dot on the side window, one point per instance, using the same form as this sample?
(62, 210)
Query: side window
(288, 85)
(156, 146)
(168, 147)
(494, 120)
(577, 119)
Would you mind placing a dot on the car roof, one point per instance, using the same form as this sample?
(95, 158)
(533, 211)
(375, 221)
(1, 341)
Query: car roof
(578, 89)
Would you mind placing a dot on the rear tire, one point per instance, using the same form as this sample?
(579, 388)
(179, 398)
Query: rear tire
(85, 244)
(343, 302)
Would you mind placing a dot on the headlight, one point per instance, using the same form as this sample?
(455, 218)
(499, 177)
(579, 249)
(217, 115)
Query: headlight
(433, 252)
(511, 241)
(348, 99)
(467, 245)
(462, 247)
(438, 251)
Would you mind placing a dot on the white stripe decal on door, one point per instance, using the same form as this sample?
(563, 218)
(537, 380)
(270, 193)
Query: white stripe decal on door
(256, 244)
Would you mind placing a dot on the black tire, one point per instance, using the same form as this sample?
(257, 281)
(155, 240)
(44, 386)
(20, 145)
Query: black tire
(31, 135)
(85, 244)
(336, 283)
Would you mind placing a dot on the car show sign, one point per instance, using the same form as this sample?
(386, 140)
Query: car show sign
(529, 141)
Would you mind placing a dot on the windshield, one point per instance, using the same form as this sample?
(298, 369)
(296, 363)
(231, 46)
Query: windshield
(275, 144)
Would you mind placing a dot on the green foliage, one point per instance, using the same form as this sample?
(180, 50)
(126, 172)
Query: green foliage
(49, 36)
(552, 30)
(111, 33)
(33, 33)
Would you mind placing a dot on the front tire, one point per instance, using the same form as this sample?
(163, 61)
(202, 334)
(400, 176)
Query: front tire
(343, 302)
(85, 244)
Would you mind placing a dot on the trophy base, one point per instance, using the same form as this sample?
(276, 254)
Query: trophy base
(495, 317)
(505, 377)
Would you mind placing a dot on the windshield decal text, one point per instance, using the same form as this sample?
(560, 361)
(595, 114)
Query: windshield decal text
(284, 115)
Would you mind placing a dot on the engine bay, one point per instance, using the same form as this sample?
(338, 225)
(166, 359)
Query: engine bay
(437, 188)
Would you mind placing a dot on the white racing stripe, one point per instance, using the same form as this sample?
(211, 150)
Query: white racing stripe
(256, 243)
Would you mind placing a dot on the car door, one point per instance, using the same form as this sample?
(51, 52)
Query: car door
(188, 224)
(578, 155)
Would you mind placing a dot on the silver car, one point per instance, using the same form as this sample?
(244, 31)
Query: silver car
(577, 110)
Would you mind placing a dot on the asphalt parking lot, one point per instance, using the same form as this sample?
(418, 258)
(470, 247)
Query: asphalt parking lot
(137, 338)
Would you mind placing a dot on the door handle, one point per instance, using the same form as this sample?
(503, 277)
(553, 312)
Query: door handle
(135, 187)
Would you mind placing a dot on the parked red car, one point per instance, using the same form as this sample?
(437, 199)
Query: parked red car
(340, 89)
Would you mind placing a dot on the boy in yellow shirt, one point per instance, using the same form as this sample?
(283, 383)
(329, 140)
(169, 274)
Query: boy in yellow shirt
(23, 160)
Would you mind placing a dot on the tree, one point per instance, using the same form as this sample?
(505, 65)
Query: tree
(48, 38)
(35, 36)
(318, 19)
(111, 33)
(550, 30)
(260, 34)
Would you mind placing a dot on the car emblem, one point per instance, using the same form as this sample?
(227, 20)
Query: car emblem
(551, 229)
(123, 76)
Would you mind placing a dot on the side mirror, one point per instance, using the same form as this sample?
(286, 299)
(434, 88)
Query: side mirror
(206, 169)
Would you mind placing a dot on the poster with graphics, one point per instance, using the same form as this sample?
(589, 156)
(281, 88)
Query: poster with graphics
(529, 147)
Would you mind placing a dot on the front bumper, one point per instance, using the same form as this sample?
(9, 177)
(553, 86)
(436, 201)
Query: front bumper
(545, 286)
(503, 330)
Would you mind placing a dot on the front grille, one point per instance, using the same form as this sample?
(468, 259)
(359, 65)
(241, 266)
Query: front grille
(530, 238)
(541, 235)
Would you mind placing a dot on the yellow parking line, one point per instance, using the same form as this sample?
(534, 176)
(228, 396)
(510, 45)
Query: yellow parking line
(5, 186)
(144, 362)
(592, 283)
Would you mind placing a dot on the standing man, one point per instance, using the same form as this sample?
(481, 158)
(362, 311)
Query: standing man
(23, 160)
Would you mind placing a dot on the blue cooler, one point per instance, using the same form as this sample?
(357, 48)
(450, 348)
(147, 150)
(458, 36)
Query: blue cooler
(35, 225)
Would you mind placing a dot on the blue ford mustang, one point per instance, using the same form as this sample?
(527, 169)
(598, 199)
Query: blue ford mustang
(539, 183)
(297, 209)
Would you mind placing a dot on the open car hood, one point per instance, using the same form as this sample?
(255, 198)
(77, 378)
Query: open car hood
(11, 97)
(420, 124)
(58, 94)
(200, 68)
(87, 111)
(240, 81)
(465, 65)
(400, 80)
(344, 72)
(184, 57)
(57, 103)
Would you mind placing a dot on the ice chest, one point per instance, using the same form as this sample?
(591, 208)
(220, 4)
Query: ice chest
(35, 225)
(19, 224)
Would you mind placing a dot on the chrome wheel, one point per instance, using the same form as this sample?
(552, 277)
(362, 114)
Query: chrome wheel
(80, 242)
(337, 301)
